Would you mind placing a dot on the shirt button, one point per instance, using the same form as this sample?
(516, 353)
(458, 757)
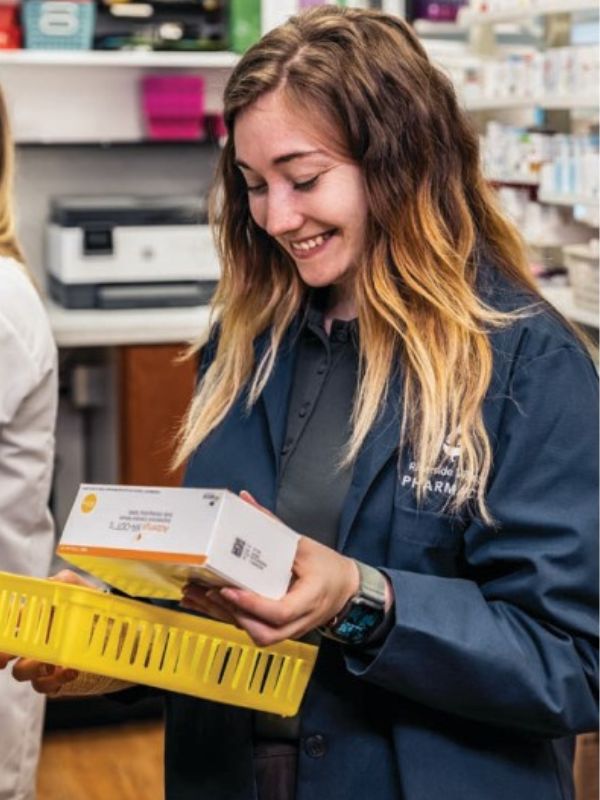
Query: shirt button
(322, 369)
(304, 410)
(286, 446)
(340, 335)
(314, 746)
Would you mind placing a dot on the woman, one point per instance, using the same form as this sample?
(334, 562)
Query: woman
(28, 399)
(380, 379)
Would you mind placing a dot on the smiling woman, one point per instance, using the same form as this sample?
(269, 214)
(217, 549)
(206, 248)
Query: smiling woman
(378, 379)
(309, 198)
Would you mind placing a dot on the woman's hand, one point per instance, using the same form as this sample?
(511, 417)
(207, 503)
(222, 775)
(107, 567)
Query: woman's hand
(45, 678)
(323, 582)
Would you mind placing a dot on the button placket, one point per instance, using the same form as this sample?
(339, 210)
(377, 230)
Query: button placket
(304, 409)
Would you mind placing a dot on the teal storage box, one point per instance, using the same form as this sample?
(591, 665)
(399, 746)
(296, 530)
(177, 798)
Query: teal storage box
(58, 24)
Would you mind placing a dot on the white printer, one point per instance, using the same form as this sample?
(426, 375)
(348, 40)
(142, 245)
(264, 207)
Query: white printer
(130, 252)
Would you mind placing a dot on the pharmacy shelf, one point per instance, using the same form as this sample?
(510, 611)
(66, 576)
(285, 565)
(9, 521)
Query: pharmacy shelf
(425, 28)
(467, 18)
(570, 102)
(539, 244)
(104, 328)
(561, 297)
(121, 58)
(555, 199)
(498, 104)
(564, 102)
(518, 180)
(108, 328)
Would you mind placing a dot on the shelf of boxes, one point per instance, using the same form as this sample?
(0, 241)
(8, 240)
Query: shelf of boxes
(467, 17)
(426, 27)
(516, 180)
(483, 36)
(549, 102)
(556, 199)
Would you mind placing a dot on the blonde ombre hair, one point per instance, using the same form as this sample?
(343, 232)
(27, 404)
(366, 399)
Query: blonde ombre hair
(9, 246)
(431, 220)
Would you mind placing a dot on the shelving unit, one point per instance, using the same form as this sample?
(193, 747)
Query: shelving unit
(71, 95)
(425, 28)
(468, 18)
(517, 180)
(556, 16)
(101, 328)
(565, 200)
(218, 59)
(557, 102)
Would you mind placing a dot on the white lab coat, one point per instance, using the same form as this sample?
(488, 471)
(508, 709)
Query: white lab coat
(28, 403)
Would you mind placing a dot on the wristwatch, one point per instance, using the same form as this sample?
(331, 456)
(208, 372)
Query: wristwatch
(363, 613)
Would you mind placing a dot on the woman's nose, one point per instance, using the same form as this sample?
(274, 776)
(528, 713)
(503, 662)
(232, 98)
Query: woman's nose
(283, 216)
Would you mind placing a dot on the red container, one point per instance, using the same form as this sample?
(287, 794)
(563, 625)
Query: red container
(10, 29)
(173, 106)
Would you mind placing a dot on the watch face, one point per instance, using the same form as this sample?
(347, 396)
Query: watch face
(359, 623)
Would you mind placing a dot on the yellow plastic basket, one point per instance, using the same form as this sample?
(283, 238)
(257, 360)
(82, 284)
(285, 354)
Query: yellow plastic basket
(95, 632)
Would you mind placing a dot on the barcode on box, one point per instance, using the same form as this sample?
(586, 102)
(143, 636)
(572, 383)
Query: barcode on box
(238, 547)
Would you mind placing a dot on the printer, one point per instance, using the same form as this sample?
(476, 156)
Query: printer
(130, 252)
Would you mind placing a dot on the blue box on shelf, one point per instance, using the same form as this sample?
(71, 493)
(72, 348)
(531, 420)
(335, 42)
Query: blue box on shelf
(58, 24)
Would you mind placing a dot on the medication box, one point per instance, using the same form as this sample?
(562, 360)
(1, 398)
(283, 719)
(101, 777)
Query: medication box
(150, 541)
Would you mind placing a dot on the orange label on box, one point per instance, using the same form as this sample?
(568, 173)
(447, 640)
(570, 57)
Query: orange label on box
(147, 555)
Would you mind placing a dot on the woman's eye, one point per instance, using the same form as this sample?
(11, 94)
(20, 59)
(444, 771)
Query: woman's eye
(260, 188)
(305, 186)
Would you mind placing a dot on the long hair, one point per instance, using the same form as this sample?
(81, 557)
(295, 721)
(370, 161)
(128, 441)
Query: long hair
(431, 220)
(9, 246)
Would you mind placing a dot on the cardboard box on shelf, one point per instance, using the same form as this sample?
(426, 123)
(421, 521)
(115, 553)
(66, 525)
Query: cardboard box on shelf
(151, 541)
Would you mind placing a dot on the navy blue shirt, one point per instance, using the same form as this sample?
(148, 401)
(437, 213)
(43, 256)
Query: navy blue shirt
(491, 665)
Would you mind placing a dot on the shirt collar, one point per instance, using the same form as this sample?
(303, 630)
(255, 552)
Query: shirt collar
(314, 313)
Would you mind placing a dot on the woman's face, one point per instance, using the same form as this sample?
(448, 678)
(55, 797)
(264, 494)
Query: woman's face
(303, 193)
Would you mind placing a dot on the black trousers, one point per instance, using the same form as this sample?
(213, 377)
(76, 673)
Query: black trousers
(275, 770)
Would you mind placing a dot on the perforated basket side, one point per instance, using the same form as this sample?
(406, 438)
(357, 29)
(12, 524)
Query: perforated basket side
(138, 642)
(190, 662)
(31, 624)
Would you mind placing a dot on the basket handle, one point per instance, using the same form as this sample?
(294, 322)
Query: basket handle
(59, 19)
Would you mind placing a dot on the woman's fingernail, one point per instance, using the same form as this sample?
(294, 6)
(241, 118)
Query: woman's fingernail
(229, 594)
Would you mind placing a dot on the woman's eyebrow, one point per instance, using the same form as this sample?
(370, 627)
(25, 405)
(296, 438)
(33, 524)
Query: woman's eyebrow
(284, 159)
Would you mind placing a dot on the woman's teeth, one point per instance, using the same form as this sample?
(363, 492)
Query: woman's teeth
(310, 244)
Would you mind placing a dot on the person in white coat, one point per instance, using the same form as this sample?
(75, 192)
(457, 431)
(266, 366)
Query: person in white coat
(28, 403)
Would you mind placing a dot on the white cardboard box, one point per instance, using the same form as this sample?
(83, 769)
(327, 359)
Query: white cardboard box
(150, 541)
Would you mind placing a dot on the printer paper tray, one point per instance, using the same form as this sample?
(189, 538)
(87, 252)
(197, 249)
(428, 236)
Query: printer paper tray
(132, 295)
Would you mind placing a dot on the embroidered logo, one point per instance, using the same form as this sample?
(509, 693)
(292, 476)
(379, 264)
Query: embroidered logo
(452, 447)
(442, 480)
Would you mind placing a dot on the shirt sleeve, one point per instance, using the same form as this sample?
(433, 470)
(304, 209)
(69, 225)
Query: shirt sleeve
(17, 371)
(514, 641)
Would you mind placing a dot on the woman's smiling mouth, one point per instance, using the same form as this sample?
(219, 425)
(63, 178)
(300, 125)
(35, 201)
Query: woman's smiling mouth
(308, 247)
